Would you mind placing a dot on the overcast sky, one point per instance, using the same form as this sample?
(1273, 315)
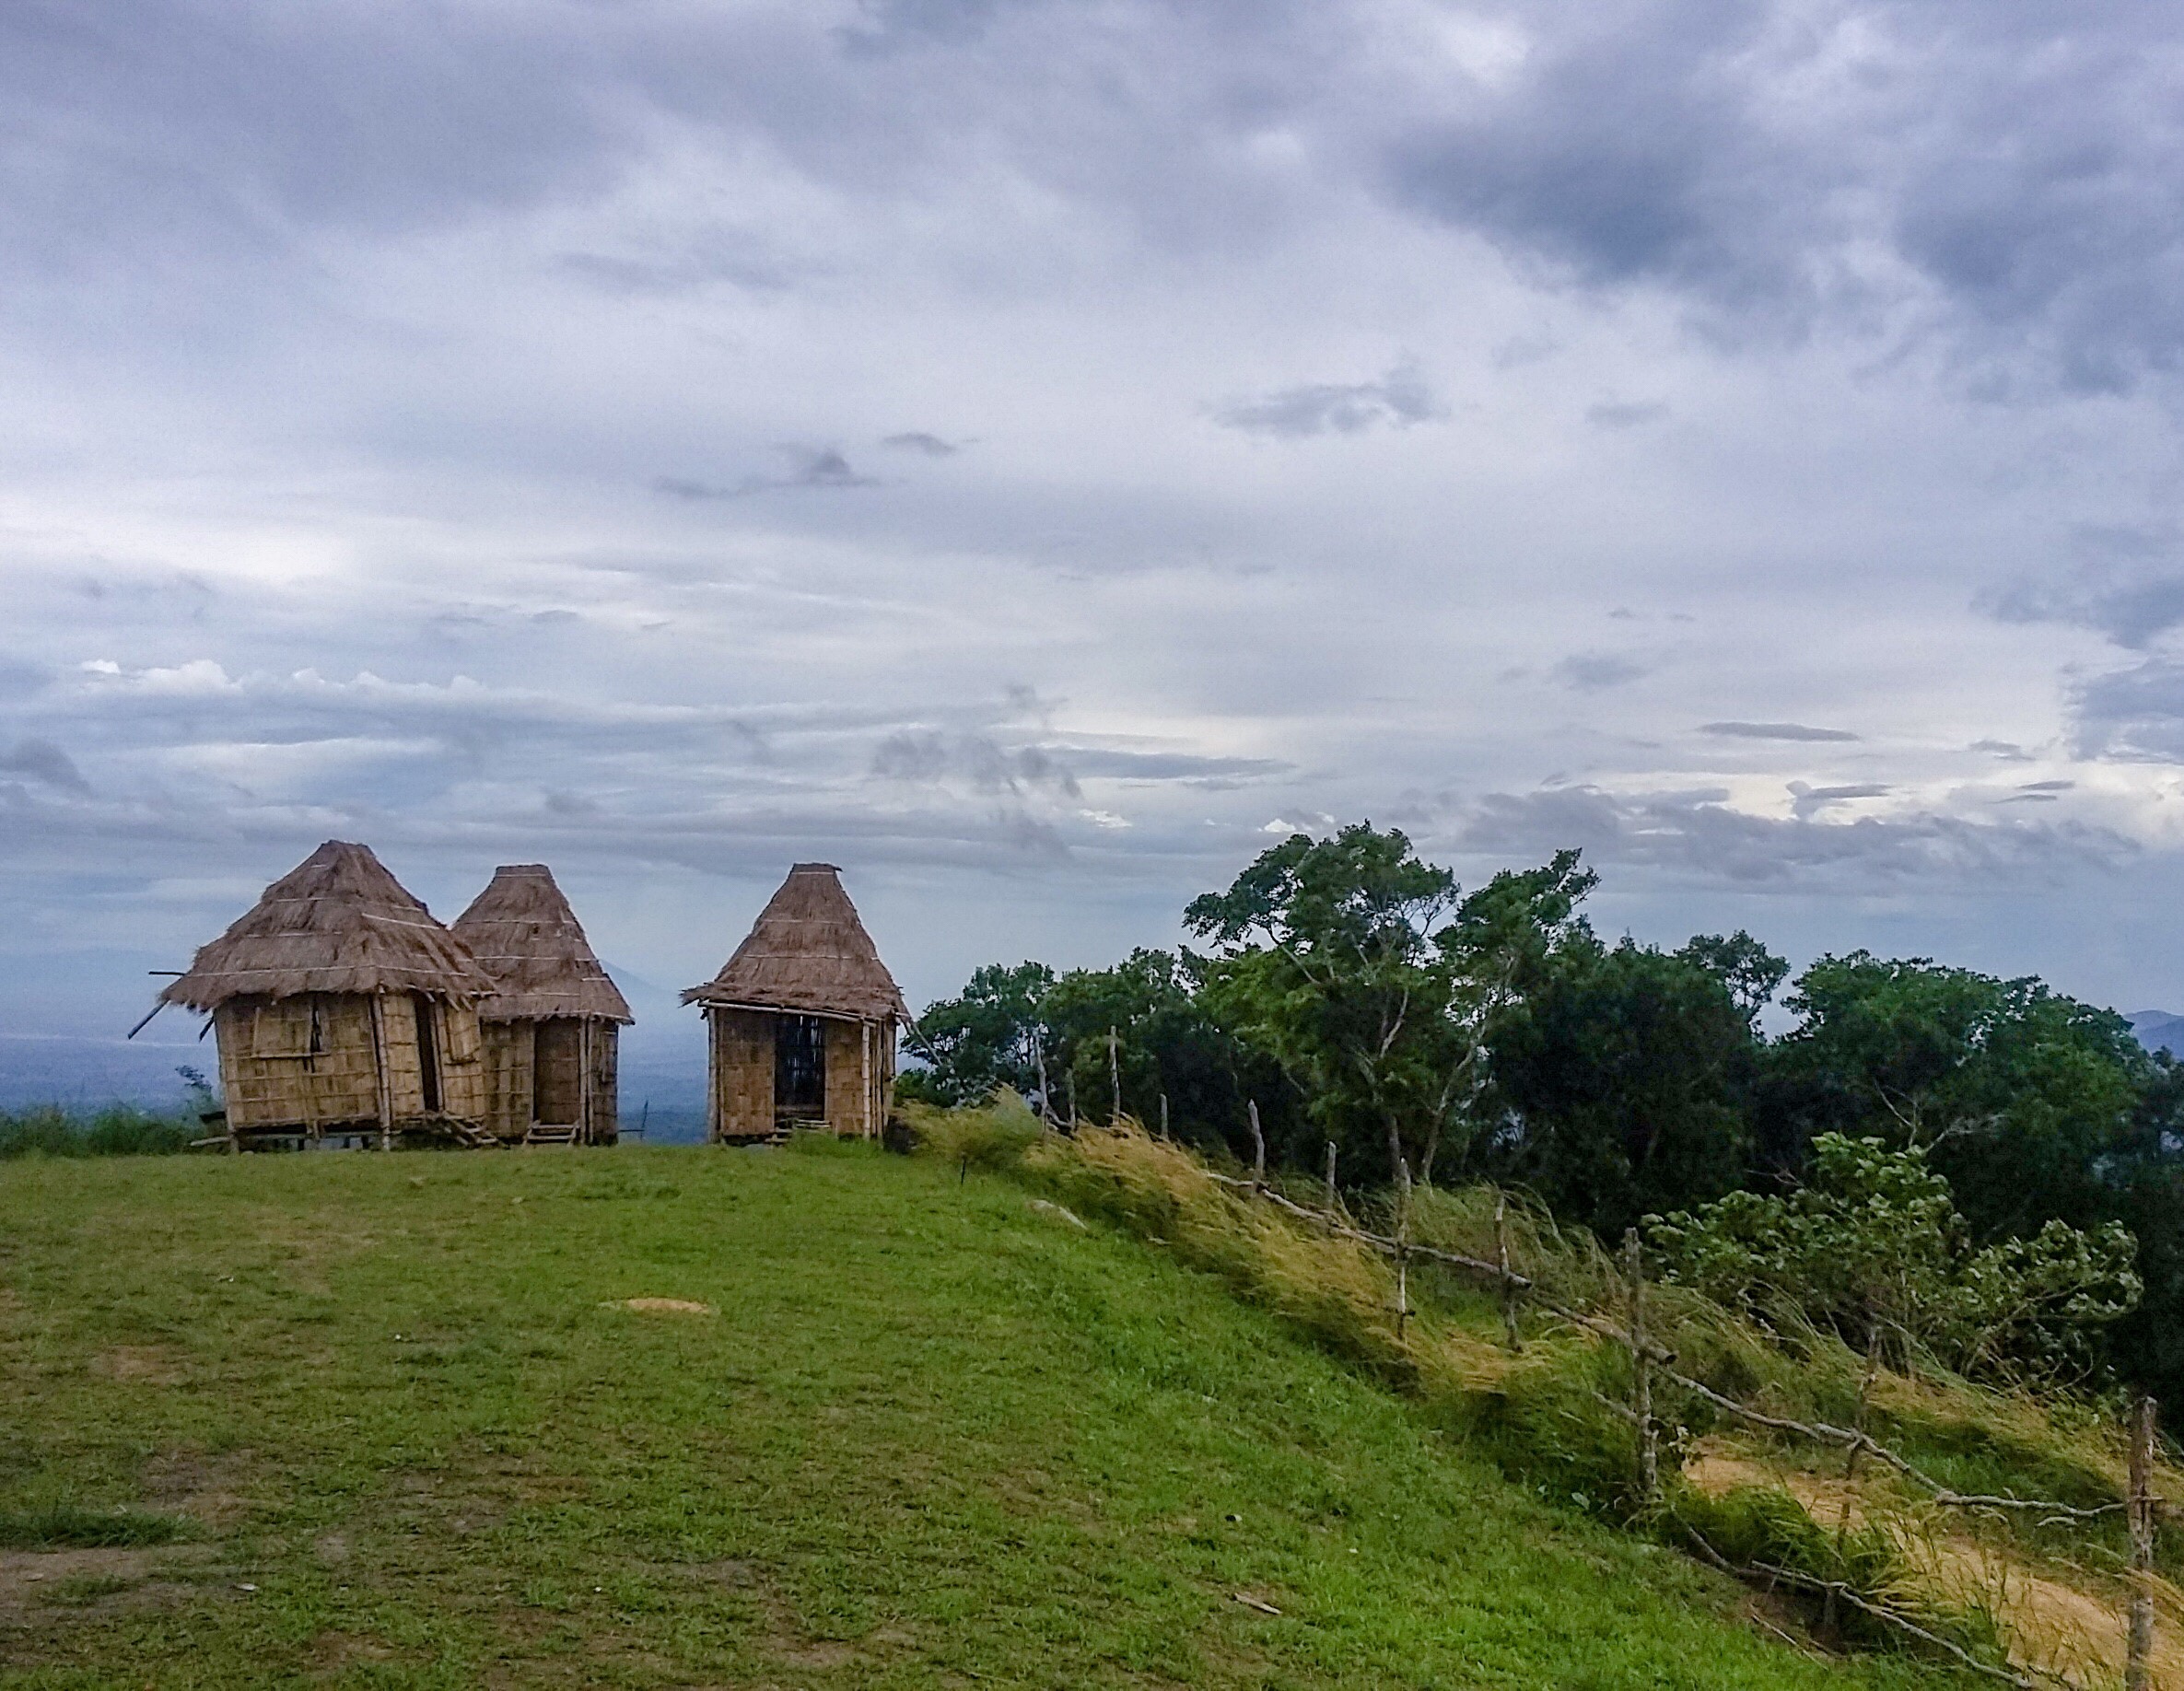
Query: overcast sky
(1032, 454)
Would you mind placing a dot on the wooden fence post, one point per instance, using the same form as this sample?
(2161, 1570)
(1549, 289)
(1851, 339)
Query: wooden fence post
(1509, 1286)
(1164, 1115)
(1642, 1373)
(1113, 1076)
(2139, 1650)
(1402, 1245)
(1331, 1200)
(1046, 1095)
(1258, 1148)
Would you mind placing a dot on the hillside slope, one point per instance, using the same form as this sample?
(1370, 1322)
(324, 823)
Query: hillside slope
(933, 1435)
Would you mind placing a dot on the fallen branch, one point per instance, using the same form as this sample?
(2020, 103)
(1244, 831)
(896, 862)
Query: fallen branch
(1836, 1588)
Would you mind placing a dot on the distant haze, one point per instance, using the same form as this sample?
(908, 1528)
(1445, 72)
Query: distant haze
(1034, 457)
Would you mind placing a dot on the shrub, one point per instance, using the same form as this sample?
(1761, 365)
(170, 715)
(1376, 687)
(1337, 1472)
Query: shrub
(119, 1130)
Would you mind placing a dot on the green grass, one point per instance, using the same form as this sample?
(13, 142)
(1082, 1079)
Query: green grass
(933, 1436)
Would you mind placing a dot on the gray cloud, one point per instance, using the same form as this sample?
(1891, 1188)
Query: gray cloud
(1809, 801)
(927, 757)
(1697, 831)
(2128, 584)
(822, 468)
(1594, 671)
(1775, 731)
(925, 445)
(1634, 414)
(2004, 160)
(40, 760)
(1398, 399)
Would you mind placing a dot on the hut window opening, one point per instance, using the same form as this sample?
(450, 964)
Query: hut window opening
(799, 1068)
(428, 1053)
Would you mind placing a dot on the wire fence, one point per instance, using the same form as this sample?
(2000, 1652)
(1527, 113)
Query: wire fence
(1651, 1362)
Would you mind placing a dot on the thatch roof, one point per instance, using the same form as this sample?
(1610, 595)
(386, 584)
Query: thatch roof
(337, 922)
(808, 953)
(524, 935)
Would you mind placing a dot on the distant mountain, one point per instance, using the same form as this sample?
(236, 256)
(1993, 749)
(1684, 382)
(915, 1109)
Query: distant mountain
(2158, 1031)
(662, 1066)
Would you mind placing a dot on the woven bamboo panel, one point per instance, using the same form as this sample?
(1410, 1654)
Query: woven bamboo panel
(742, 1073)
(507, 1047)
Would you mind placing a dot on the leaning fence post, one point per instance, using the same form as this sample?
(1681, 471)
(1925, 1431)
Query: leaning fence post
(1402, 1244)
(1508, 1284)
(1642, 1373)
(2139, 1651)
(1258, 1148)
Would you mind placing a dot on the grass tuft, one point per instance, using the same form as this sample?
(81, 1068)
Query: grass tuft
(67, 1526)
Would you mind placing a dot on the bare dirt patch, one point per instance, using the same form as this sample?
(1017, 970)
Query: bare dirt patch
(206, 1488)
(34, 1584)
(147, 1364)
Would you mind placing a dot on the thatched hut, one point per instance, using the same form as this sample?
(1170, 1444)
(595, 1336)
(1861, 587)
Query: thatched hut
(342, 1010)
(554, 1019)
(801, 1019)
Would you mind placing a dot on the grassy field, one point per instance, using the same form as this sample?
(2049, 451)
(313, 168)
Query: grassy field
(930, 1434)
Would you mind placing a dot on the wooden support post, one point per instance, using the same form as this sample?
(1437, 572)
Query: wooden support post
(1164, 1115)
(1509, 1286)
(1333, 1203)
(2139, 1646)
(1258, 1148)
(864, 1054)
(583, 1079)
(379, 1061)
(712, 1077)
(1113, 1076)
(1642, 1373)
(1069, 1085)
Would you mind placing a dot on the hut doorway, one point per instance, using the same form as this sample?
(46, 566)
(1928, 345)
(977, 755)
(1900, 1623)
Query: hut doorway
(428, 1051)
(800, 1068)
(558, 1072)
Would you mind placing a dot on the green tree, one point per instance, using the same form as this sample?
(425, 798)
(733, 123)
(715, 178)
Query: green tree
(983, 1040)
(1621, 1083)
(1327, 959)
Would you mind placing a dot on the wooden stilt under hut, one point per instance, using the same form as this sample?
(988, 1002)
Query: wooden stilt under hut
(801, 1021)
(551, 1024)
(344, 1013)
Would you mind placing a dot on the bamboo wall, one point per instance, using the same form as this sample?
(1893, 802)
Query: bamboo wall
(859, 1075)
(741, 1075)
(535, 1072)
(309, 1061)
(508, 1078)
(298, 1062)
